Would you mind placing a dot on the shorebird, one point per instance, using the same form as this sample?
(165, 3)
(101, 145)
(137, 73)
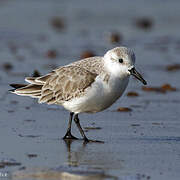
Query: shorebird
(86, 86)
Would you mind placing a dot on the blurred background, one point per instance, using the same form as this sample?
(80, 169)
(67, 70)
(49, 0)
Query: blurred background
(39, 33)
(37, 36)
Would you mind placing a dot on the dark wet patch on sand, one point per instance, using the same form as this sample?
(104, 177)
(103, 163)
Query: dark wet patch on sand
(51, 54)
(29, 120)
(29, 136)
(31, 155)
(57, 23)
(4, 164)
(145, 23)
(7, 66)
(92, 128)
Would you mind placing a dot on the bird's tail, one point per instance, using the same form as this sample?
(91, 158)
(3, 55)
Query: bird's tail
(33, 89)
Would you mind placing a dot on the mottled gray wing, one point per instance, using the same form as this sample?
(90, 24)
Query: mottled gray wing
(66, 83)
(92, 64)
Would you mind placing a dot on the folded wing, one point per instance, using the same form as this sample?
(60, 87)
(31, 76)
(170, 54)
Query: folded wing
(61, 85)
(66, 83)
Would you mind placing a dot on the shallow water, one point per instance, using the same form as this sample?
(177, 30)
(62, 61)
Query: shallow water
(141, 144)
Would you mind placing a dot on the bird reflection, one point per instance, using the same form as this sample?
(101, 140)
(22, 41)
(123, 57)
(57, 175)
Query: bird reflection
(74, 157)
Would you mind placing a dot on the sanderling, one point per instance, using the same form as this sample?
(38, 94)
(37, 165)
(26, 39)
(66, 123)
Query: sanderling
(86, 86)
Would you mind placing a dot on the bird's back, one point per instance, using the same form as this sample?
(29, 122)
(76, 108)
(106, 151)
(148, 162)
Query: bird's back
(92, 64)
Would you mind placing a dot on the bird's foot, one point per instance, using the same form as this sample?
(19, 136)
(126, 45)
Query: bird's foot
(68, 135)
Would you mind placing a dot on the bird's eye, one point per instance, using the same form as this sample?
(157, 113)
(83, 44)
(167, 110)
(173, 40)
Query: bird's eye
(121, 60)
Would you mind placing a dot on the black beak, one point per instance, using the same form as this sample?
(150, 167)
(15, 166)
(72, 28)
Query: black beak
(137, 75)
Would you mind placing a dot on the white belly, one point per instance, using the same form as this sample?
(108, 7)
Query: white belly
(99, 97)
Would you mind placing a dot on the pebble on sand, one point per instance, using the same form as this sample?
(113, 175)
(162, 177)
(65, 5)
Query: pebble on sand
(36, 73)
(124, 109)
(115, 38)
(162, 89)
(132, 94)
(87, 54)
(173, 67)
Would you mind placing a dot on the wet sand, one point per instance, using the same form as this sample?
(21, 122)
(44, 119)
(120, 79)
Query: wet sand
(142, 143)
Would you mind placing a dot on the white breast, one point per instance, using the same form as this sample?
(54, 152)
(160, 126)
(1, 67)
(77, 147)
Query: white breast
(99, 96)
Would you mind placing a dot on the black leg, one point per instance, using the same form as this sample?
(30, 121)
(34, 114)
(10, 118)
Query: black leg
(76, 120)
(68, 134)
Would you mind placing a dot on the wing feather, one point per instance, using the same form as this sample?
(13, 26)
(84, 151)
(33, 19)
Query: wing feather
(66, 83)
